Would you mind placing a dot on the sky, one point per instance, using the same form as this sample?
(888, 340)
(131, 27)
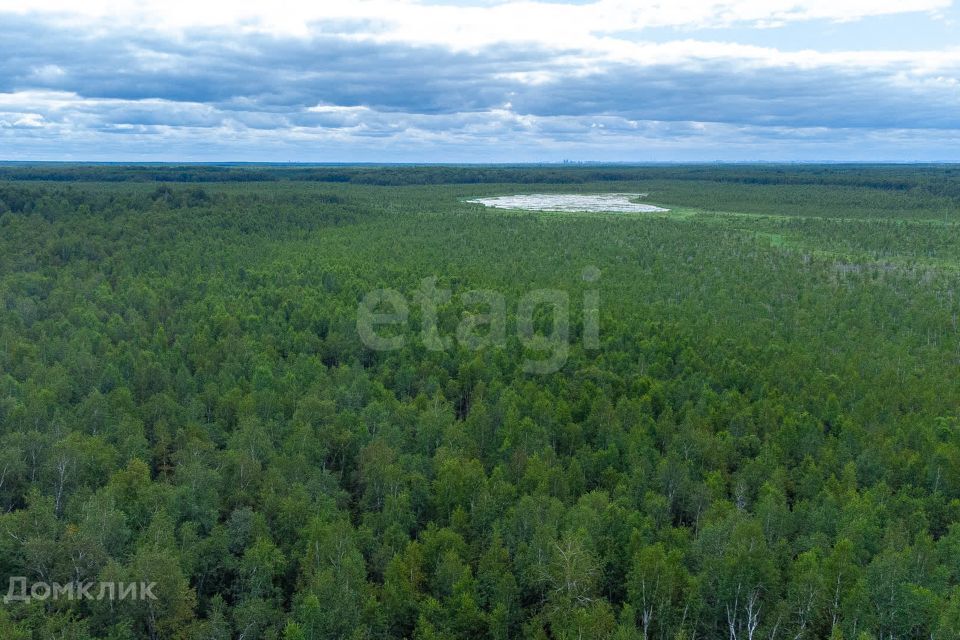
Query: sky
(480, 81)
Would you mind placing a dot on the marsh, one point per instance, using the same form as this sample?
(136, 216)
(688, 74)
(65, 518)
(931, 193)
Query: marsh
(574, 202)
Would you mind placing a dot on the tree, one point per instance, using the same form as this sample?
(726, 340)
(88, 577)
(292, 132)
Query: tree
(658, 587)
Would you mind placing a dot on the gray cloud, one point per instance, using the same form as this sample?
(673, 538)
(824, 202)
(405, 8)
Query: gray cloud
(65, 83)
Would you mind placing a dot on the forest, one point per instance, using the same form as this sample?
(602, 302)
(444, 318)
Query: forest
(764, 442)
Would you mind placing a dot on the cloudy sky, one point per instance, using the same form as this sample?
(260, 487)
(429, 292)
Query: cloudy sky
(480, 80)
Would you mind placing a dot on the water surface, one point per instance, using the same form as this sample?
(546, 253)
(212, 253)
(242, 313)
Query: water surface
(609, 202)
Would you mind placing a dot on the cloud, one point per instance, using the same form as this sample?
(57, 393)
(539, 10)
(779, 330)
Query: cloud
(459, 25)
(487, 79)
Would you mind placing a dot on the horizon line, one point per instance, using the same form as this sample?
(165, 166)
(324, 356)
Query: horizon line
(550, 163)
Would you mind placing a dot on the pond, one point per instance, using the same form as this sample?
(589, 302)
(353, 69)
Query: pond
(607, 202)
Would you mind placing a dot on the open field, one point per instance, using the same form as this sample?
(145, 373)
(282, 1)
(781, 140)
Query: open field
(765, 431)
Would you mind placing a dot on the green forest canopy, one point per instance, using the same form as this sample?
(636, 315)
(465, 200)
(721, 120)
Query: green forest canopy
(766, 444)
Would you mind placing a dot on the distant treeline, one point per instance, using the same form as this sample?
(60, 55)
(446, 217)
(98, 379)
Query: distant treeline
(942, 180)
(245, 210)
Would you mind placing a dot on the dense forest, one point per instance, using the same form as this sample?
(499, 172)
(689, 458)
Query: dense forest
(764, 443)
